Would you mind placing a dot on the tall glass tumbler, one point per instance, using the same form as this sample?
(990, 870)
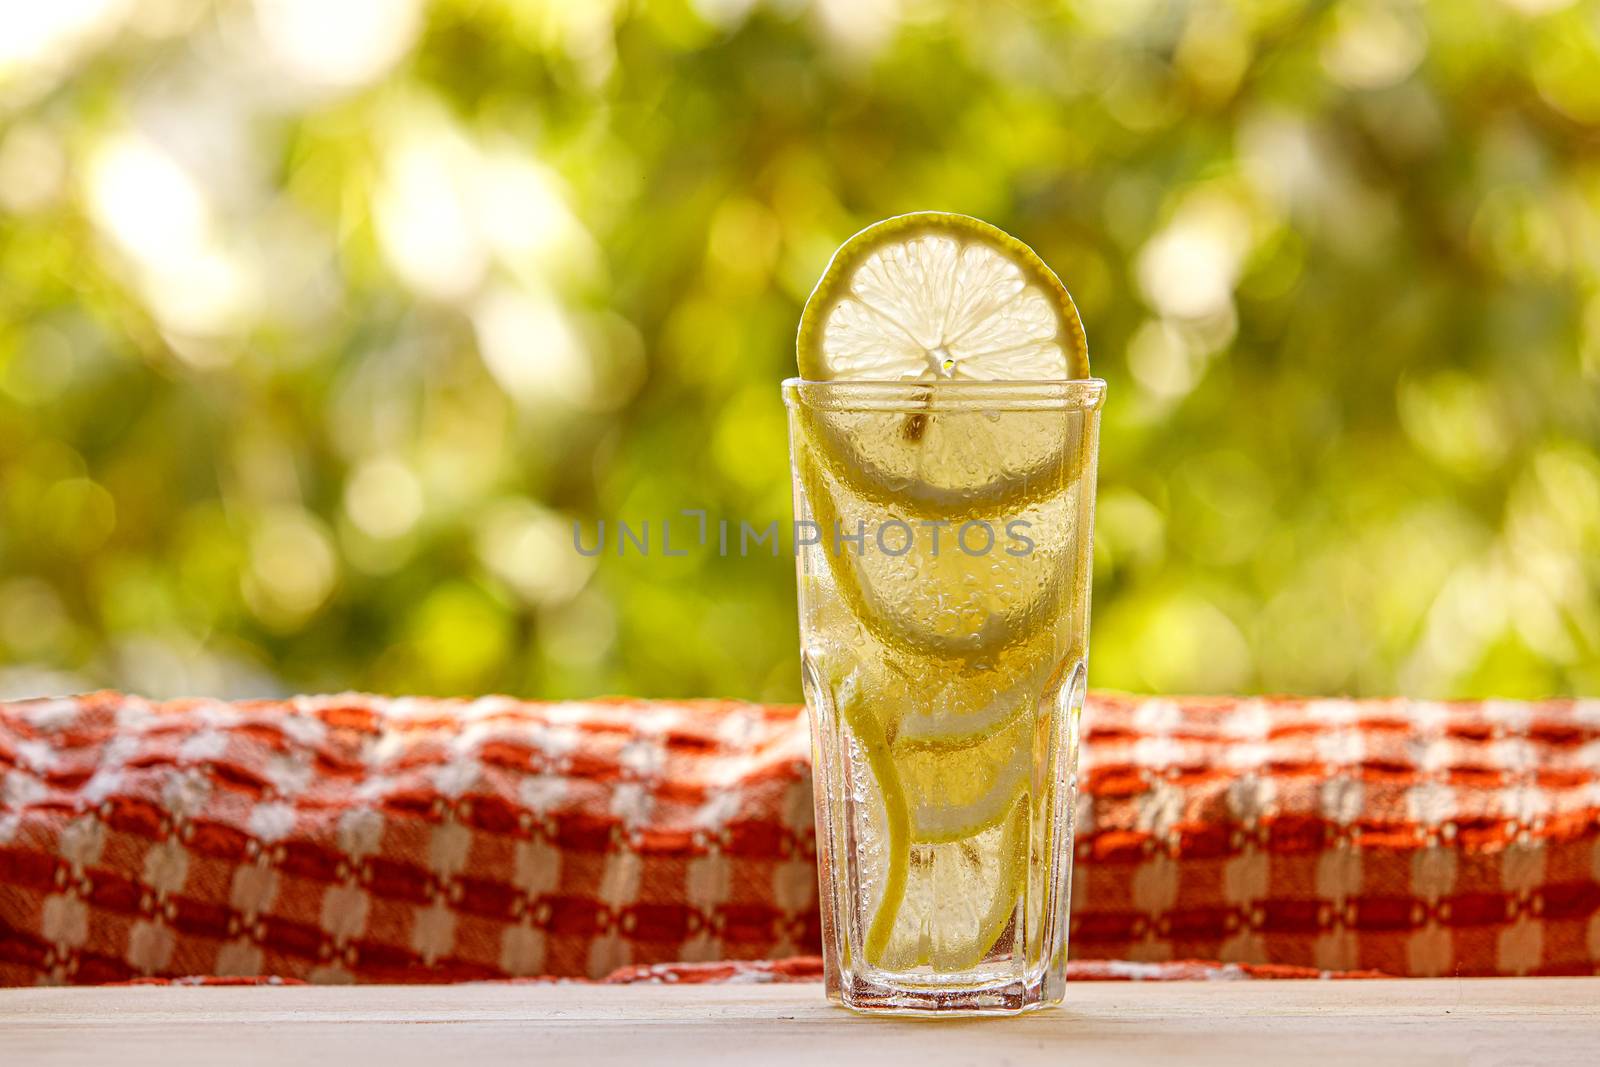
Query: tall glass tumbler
(944, 540)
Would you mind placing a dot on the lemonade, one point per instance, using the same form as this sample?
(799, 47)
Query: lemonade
(943, 444)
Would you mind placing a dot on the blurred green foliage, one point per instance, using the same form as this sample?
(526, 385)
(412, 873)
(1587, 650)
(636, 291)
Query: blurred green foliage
(321, 322)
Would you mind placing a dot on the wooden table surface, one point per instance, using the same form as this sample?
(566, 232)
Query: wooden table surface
(1520, 1020)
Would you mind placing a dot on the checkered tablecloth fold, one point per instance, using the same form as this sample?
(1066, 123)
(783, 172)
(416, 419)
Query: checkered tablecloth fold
(357, 838)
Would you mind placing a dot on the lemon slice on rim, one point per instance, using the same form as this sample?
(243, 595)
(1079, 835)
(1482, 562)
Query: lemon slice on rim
(939, 297)
(936, 296)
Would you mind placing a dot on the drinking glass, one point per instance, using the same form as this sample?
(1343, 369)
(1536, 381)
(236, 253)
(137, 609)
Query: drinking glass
(944, 539)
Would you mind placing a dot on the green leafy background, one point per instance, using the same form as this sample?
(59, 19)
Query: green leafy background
(321, 322)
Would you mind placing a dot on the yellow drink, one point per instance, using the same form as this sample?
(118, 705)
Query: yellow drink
(944, 533)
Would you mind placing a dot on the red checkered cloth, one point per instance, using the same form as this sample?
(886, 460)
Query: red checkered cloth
(339, 839)
(356, 838)
(1407, 837)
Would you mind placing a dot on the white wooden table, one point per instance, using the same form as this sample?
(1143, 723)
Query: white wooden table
(1521, 1020)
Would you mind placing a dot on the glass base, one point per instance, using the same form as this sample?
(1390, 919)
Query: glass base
(1010, 997)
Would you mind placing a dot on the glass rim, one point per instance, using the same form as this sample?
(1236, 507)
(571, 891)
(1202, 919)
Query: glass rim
(1064, 394)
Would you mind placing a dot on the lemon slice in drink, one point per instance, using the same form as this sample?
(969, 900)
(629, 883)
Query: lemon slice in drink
(952, 792)
(973, 705)
(959, 898)
(939, 297)
(949, 464)
(934, 296)
(957, 604)
(941, 835)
